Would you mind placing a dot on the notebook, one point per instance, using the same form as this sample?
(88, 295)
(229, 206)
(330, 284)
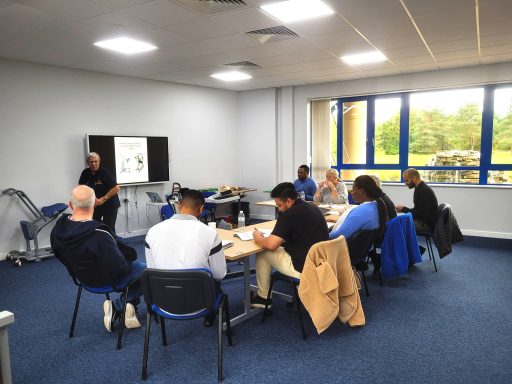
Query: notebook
(154, 197)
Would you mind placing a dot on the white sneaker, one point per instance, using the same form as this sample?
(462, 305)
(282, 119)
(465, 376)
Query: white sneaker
(130, 318)
(107, 319)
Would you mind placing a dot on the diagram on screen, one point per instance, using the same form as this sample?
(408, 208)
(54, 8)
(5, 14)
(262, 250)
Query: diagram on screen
(131, 159)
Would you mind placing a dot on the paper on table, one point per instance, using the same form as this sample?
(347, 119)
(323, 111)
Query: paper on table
(247, 235)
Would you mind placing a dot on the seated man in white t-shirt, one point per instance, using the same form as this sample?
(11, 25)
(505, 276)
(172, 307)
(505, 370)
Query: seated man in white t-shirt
(183, 242)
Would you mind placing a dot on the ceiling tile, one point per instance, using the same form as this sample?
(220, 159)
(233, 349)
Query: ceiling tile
(70, 10)
(162, 13)
(356, 10)
(199, 29)
(421, 8)
(457, 55)
(495, 10)
(458, 63)
(121, 4)
(17, 20)
(117, 23)
(324, 26)
(413, 60)
(244, 20)
(496, 27)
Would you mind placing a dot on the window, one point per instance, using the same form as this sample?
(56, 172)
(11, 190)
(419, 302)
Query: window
(459, 136)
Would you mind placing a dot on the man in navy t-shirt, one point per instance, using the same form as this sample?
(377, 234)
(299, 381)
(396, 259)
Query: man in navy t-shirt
(105, 188)
(298, 227)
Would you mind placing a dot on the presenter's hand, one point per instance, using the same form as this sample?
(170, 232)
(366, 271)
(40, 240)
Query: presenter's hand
(101, 200)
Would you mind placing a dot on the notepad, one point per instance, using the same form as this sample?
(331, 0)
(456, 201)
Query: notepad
(227, 244)
(247, 235)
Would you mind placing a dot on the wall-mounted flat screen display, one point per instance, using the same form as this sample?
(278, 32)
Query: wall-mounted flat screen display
(132, 159)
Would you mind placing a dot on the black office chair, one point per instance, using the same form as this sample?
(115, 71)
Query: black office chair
(293, 282)
(444, 212)
(183, 295)
(358, 246)
(91, 277)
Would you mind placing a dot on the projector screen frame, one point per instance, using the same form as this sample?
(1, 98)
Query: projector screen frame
(155, 161)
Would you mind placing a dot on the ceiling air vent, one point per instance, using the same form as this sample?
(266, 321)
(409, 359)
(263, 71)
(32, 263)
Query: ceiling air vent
(246, 64)
(212, 7)
(268, 35)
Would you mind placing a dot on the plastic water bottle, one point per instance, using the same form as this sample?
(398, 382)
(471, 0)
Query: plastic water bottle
(302, 195)
(241, 219)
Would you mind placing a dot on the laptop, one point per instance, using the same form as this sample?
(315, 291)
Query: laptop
(154, 197)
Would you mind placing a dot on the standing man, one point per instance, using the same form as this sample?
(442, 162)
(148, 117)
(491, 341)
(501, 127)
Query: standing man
(304, 183)
(298, 227)
(105, 188)
(78, 238)
(425, 207)
(183, 242)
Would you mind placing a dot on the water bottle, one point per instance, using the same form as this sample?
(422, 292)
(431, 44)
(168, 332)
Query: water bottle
(241, 219)
(302, 195)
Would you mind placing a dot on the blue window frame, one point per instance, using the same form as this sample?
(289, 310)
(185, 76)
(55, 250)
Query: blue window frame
(483, 169)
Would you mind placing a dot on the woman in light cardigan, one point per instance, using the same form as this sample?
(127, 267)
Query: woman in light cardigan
(331, 190)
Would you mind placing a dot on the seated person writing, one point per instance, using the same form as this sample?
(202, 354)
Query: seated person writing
(331, 190)
(184, 242)
(79, 238)
(299, 226)
(370, 214)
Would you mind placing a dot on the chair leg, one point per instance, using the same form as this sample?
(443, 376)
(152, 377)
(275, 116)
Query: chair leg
(431, 251)
(108, 296)
(297, 299)
(227, 315)
(365, 284)
(219, 341)
(146, 347)
(380, 277)
(162, 328)
(123, 315)
(269, 295)
(75, 311)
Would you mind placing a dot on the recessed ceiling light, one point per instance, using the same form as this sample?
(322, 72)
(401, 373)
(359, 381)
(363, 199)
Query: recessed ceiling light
(364, 58)
(295, 10)
(231, 76)
(125, 45)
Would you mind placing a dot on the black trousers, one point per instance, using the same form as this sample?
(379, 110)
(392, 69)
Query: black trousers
(106, 215)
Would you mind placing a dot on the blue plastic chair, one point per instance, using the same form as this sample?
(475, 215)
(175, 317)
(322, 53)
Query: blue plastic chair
(166, 212)
(183, 295)
(208, 214)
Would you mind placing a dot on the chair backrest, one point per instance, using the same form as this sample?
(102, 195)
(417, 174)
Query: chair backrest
(166, 212)
(179, 292)
(359, 244)
(88, 272)
(444, 210)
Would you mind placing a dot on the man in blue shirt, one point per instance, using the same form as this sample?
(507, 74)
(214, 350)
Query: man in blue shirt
(305, 183)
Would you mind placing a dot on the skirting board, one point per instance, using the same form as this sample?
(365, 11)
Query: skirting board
(494, 235)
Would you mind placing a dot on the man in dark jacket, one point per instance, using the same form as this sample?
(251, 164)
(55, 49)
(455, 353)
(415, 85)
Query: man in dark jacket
(78, 239)
(425, 207)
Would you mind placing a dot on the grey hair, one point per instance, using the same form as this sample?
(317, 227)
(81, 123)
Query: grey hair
(377, 180)
(92, 154)
(334, 172)
(82, 197)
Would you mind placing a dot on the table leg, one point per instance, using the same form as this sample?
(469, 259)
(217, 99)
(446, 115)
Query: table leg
(248, 311)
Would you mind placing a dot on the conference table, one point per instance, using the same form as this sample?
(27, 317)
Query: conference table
(241, 251)
(333, 215)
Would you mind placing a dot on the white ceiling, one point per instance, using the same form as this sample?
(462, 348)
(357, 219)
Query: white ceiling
(415, 35)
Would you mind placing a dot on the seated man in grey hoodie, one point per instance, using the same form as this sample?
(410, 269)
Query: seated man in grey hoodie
(77, 237)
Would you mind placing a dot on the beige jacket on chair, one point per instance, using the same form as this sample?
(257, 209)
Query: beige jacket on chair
(328, 285)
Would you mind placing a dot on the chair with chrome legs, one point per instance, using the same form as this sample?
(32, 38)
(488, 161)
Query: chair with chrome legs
(183, 295)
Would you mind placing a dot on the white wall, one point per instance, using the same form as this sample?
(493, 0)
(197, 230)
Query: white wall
(257, 149)
(45, 113)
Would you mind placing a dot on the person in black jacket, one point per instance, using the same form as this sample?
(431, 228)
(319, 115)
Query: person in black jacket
(425, 207)
(78, 238)
(105, 188)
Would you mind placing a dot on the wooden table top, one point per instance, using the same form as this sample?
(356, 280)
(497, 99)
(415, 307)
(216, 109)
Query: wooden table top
(242, 248)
